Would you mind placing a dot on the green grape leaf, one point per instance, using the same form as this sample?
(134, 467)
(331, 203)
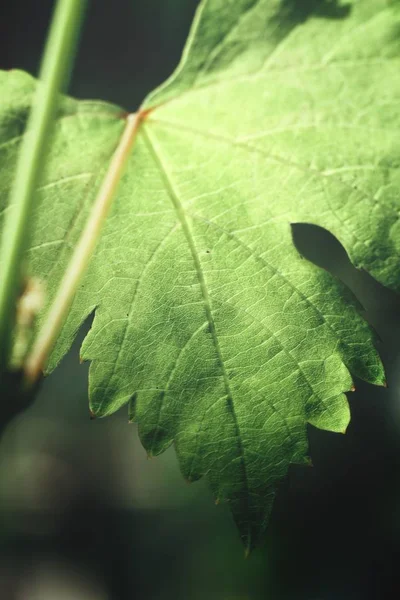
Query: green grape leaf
(208, 322)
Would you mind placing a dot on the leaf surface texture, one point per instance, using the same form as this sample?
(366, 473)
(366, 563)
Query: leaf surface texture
(208, 322)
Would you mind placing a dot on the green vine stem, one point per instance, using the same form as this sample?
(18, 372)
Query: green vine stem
(56, 66)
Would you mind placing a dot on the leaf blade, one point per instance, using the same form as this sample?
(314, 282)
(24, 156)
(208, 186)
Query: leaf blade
(222, 339)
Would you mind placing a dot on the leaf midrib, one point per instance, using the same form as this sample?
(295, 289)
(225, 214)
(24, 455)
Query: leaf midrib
(181, 214)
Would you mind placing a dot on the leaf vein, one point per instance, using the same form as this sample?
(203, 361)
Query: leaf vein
(206, 298)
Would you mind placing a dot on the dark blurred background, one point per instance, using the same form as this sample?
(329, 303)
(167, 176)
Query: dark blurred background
(85, 516)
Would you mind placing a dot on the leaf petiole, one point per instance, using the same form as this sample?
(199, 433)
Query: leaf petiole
(54, 321)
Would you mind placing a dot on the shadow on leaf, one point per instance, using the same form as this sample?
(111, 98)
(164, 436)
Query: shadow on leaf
(295, 11)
